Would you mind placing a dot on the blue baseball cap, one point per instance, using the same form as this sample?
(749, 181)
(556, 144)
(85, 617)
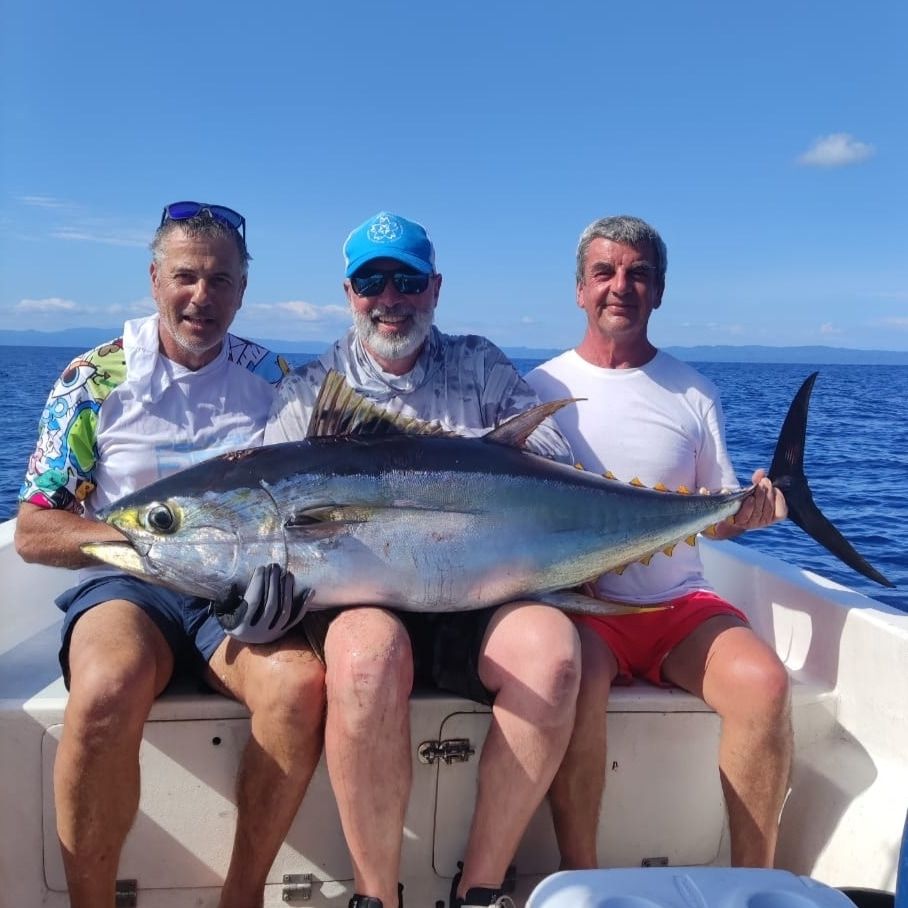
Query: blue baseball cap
(390, 236)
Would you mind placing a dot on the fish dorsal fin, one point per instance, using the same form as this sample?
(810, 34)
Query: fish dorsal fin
(516, 430)
(339, 410)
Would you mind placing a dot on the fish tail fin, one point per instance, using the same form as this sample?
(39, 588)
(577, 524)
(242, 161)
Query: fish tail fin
(787, 474)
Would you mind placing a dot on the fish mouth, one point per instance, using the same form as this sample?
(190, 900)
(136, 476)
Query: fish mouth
(203, 566)
(127, 556)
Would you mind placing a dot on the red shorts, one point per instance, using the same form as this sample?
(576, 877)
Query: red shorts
(641, 642)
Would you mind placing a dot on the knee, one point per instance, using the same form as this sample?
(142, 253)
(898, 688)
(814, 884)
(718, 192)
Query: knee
(561, 673)
(290, 688)
(109, 698)
(759, 690)
(547, 664)
(369, 659)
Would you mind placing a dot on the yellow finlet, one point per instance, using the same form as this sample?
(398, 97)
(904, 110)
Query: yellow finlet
(636, 481)
(660, 487)
(683, 490)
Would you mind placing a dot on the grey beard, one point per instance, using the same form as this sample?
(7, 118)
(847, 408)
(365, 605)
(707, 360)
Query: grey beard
(195, 347)
(399, 346)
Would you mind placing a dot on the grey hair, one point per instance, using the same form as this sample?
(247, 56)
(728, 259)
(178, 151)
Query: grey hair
(629, 231)
(201, 225)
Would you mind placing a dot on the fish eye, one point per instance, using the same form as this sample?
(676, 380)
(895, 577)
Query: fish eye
(160, 519)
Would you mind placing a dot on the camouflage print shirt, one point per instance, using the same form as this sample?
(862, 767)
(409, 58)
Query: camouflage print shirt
(465, 383)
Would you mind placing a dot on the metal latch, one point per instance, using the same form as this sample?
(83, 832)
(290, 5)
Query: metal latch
(453, 750)
(297, 887)
(654, 862)
(127, 894)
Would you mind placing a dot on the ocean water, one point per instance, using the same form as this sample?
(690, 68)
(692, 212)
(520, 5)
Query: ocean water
(856, 457)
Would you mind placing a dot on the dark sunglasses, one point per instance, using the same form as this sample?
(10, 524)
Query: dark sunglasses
(373, 284)
(182, 211)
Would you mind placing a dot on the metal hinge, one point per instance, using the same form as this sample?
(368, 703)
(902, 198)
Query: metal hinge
(454, 750)
(297, 887)
(127, 894)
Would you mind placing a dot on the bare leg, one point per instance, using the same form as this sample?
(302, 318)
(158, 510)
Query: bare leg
(531, 662)
(742, 678)
(576, 792)
(119, 662)
(367, 741)
(283, 685)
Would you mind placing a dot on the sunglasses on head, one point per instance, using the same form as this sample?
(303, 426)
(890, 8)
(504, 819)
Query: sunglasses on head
(373, 283)
(183, 211)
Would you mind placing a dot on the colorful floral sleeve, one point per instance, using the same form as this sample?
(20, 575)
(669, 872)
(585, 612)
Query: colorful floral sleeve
(60, 471)
(257, 359)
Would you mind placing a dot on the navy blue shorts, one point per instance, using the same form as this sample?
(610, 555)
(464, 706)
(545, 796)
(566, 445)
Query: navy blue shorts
(192, 633)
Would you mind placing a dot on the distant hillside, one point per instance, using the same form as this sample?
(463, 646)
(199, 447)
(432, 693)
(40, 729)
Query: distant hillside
(815, 355)
(726, 354)
(85, 338)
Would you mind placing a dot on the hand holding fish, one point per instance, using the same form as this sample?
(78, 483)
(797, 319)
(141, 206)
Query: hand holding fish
(266, 611)
(764, 506)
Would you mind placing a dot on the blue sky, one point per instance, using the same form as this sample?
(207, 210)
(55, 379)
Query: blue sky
(767, 142)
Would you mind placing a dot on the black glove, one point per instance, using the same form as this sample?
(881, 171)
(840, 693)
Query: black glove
(268, 608)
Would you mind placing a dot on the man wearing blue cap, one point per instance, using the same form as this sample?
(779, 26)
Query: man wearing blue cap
(522, 658)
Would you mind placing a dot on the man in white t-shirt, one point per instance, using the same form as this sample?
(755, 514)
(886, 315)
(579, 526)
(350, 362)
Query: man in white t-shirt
(644, 414)
(522, 658)
(176, 388)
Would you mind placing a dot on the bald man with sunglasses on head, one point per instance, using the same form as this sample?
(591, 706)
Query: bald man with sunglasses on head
(175, 389)
(521, 658)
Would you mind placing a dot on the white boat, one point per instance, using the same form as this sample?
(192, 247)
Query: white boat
(841, 825)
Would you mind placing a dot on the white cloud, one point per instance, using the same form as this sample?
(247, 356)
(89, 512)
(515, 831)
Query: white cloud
(896, 321)
(51, 304)
(723, 328)
(107, 314)
(306, 312)
(110, 239)
(828, 329)
(144, 306)
(836, 150)
(43, 201)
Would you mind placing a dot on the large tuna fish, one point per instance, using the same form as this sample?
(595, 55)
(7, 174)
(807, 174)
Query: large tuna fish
(390, 511)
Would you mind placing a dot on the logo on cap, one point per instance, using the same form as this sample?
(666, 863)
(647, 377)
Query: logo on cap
(385, 229)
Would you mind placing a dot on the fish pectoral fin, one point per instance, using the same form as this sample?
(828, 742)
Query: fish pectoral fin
(326, 513)
(339, 410)
(515, 431)
(327, 520)
(309, 532)
(572, 601)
